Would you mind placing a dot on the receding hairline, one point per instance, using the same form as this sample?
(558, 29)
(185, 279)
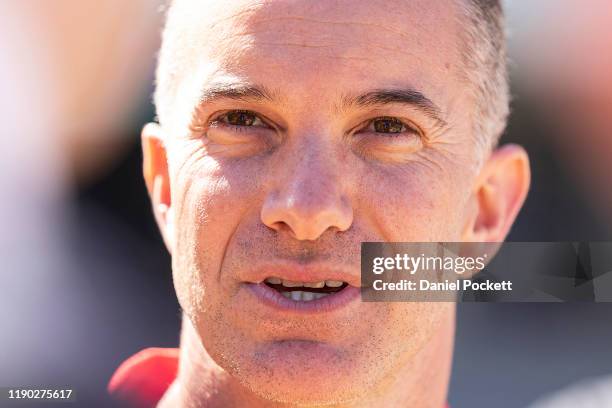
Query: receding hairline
(483, 55)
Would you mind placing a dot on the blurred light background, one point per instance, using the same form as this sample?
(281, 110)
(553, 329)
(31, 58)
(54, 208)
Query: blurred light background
(85, 280)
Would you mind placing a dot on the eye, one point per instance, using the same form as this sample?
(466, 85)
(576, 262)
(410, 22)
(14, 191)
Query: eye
(241, 118)
(388, 125)
(387, 139)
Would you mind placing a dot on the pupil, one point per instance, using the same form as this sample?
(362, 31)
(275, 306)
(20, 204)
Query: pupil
(240, 118)
(388, 126)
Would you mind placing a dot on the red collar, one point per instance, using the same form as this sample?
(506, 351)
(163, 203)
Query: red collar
(141, 380)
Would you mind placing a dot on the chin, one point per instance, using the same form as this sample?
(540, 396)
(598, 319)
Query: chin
(304, 372)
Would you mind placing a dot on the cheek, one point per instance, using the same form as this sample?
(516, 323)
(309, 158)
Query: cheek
(416, 203)
(210, 199)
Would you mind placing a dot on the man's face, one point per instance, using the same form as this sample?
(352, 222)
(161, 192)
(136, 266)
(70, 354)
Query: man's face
(297, 130)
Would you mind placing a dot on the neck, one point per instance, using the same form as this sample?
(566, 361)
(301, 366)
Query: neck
(423, 382)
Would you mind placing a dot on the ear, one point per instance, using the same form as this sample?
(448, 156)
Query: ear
(499, 193)
(155, 170)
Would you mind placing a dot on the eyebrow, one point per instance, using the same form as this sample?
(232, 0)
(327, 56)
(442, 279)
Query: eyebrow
(235, 91)
(412, 97)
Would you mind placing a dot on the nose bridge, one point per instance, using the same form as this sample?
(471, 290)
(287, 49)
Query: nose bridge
(310, 199)
(313, 182)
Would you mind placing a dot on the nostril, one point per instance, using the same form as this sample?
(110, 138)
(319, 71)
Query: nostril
(280, 226)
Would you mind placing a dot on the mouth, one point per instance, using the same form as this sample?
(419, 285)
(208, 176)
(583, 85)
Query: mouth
(291, 288)
(293, 297)
(305, 291)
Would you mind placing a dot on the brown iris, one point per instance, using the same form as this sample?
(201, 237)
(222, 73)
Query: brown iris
(388, 125)
(241, 118)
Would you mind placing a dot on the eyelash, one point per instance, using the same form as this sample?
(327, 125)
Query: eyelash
(407, 127)
(219, 120)
(236, 128)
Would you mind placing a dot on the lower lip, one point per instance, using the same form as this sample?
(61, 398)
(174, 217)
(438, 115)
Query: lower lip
(329, 303)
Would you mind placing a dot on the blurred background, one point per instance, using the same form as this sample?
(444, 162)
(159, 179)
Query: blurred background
(85, 280)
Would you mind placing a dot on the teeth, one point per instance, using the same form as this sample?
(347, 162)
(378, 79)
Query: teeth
(307, 296)
(295, 284)
(291, 284)
(314, 284)
(302, 296)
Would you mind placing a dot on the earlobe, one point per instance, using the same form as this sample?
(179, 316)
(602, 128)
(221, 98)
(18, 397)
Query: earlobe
(499, 193)
(155, 171)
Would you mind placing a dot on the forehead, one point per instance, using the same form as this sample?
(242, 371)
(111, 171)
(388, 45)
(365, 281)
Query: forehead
(314, 48)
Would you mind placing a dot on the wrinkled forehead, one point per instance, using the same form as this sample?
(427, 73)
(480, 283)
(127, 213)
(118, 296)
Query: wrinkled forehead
(303, 45)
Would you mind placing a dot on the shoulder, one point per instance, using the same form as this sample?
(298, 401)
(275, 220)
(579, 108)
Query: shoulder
(142, 379)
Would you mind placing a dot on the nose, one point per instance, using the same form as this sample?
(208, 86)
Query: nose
(309, 200)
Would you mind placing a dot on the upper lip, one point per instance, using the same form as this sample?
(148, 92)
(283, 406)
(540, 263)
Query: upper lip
(293, 271)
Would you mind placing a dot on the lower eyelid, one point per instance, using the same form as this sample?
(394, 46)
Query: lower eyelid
(407, 132)
(237, 128)
(389, 140)
(224, 125)
(236, 133)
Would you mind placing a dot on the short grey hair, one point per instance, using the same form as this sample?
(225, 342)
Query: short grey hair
(484, 56)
